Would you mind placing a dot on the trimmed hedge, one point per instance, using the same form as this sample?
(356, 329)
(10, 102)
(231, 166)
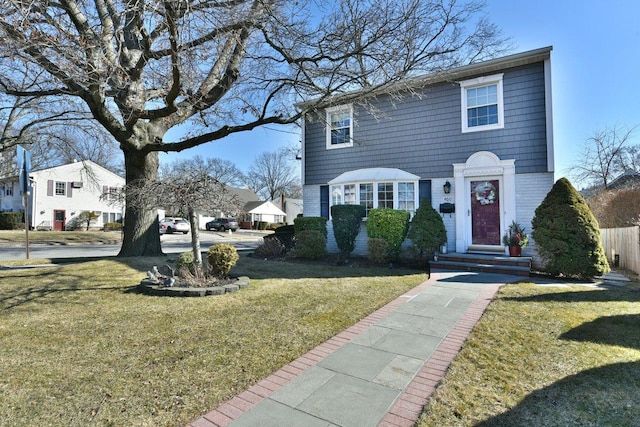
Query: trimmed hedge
(310, 244)
(346, 225)
(391, 225)
(317, 223)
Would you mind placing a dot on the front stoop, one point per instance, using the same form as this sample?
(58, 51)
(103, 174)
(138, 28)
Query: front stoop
(488, 263)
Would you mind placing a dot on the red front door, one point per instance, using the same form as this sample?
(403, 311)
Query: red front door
(485, 212)
(58, 220)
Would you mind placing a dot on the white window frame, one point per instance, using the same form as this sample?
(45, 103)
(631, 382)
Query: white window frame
(495, 79)
(340, 189)
(334, 111)
(63, 187)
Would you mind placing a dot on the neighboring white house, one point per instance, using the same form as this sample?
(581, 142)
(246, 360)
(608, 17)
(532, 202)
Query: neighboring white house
(60, 194)
(264, 212)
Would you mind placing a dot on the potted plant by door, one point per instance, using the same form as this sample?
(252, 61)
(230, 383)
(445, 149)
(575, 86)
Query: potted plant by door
(515, 238)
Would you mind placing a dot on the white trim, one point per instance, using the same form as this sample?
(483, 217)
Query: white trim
(374, 176)
(329, 112)
(476, 83)
(549, 115)
(483, 165)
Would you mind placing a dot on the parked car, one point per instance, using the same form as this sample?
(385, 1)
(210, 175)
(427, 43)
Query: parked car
(222, 224)
(174, 225)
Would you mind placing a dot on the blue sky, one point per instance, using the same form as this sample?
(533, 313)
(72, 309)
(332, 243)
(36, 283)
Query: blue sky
(595, 75)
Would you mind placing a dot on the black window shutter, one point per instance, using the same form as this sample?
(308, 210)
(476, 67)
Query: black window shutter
(324, 201)
(424, 190)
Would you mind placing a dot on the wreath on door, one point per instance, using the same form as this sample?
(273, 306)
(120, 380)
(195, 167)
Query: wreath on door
(485, 193)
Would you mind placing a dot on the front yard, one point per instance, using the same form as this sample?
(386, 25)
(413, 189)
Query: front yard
(78, 347)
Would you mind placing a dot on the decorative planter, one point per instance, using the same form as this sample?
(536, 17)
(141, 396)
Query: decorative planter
(515, 250)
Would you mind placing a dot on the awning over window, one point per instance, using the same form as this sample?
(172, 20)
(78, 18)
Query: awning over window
(374, 175)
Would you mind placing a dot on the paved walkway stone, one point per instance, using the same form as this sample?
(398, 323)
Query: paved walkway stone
(380, 371)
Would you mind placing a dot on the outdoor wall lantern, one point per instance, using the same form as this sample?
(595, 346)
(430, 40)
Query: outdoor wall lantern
(447, 187)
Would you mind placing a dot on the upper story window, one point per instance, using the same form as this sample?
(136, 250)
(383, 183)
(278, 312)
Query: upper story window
(482, 103)
(340, 126)
(60, 188)
(8, 190)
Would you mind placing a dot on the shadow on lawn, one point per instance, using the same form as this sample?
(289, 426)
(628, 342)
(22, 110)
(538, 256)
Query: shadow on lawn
(260, 268)
(602, 294)
(604, 396)
(49, 285)
(621, 330)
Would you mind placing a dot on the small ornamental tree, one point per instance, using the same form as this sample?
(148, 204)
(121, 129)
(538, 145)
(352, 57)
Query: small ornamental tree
(567, 235)
(87, 217)
(346, 225)
(427, 231)
(391, 225)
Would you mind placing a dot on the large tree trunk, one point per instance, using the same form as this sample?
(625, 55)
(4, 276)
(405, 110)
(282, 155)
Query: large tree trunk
(141, 235)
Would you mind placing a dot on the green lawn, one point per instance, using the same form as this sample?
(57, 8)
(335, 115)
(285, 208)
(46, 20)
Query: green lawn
(547, 356)
(18, 237)
(78, 347)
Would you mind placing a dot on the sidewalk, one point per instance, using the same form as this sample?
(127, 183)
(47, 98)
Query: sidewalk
(379, 372)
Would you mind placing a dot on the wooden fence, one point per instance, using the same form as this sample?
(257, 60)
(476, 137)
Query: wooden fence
(622, 244)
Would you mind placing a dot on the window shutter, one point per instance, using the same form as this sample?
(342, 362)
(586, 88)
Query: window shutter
(424, 190)
(50, 187)
(324, 201)
(69, 188)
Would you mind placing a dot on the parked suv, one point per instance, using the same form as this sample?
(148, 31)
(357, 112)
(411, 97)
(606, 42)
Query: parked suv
(222, 224)
(174, 225)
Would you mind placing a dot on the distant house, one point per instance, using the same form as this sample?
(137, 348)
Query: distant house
(258, 211)
(240, 196)
(59, 194)
(628, 179)
(475, 142)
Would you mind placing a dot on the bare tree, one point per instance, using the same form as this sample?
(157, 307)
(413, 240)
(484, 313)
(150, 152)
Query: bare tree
(208, 69)
(273, 174)
(186, 187)
(54, 132)
(605, 156)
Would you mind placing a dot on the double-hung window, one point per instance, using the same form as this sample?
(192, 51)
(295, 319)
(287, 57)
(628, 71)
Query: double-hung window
(482, 103)
(60, 188)
(339, 126)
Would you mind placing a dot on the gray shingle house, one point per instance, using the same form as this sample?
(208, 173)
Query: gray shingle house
(476, 141)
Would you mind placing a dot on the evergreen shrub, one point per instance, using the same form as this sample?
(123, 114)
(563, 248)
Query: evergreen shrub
(426, 231)
(317, 223)
(221, 257)
(186, 261)
(10, 220)
(567, 235)
(378, 251)
(346, 221)
(310, 244)
(391, 225)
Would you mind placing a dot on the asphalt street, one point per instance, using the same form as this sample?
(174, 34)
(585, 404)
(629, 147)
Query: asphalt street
(171, 243)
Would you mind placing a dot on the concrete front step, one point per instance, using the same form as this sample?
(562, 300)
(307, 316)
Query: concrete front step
(487, 263)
